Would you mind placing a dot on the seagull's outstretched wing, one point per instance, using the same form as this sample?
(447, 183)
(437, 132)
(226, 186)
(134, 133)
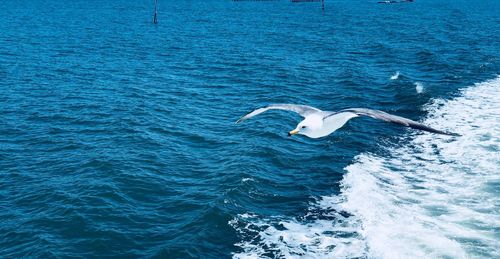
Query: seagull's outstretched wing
(302, 110)
(380, 115)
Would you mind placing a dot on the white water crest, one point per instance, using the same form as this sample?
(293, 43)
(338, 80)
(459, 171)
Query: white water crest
(434, 197)
(395, 76)
(419, 87)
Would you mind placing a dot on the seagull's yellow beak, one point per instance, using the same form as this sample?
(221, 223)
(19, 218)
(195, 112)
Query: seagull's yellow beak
(293, 132)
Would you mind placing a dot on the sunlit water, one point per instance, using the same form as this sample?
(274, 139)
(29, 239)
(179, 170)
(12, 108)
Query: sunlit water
(117, 137)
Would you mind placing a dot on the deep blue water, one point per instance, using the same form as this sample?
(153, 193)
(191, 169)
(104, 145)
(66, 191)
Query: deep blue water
(117, 136)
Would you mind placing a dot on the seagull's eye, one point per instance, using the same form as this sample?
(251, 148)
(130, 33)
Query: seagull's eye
(303, 127)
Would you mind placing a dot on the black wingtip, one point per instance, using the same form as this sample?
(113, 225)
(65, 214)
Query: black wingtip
(448, 133)
(432, 130)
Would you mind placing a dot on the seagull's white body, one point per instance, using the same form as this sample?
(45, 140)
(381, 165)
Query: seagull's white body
(331, 124)
(318, 123)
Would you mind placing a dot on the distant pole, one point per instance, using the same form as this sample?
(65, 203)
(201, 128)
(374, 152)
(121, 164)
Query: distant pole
(323, 5)
(155, 17)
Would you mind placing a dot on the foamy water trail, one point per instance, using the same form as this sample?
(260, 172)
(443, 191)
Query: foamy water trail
(434, 197)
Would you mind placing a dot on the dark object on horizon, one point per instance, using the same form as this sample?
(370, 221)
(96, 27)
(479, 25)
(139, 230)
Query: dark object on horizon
(293, 1)
(155, 16)
(300, 1)
(395, 2)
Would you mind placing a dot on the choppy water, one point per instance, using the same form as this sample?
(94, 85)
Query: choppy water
(117, 137)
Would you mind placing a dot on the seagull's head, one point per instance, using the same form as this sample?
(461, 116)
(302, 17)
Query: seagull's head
(308, 126)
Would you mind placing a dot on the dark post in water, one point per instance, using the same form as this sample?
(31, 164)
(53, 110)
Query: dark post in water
(155, 16)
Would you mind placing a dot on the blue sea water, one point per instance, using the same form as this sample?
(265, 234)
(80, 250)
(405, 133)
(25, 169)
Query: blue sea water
(117, 136)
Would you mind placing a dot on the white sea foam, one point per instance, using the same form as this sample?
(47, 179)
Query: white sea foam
(419, 87)
(395, 76)
(434, 197)
(247, 179)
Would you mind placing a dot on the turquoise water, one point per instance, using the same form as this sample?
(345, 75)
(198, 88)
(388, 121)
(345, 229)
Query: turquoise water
(117, 137)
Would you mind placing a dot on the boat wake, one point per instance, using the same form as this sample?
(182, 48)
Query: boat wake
(434, 196)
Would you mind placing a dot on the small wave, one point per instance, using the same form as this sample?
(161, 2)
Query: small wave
(419, 87)
(434, 197)
(246, 179)
(395, 76)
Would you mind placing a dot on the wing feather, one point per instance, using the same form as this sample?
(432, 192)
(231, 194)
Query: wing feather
(380, 115)
(302, 110)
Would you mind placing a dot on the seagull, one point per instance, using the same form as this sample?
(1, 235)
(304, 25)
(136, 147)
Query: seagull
(318, 123)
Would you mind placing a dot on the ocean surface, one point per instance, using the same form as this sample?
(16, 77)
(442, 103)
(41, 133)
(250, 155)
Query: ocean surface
(118, 136)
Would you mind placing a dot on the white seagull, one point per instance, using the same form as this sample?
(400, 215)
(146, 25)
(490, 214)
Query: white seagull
(318, 123)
